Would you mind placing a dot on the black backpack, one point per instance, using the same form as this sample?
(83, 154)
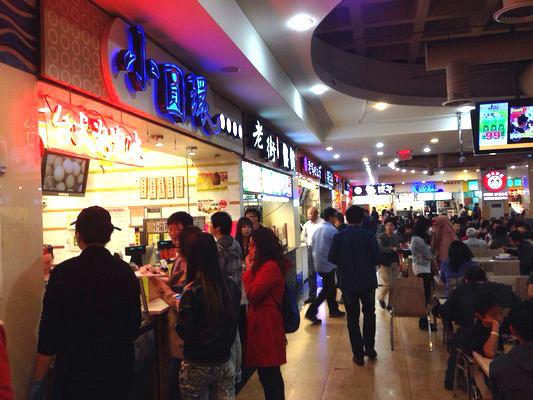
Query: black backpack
(290, 311)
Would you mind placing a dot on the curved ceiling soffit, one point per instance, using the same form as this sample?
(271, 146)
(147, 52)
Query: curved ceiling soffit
(400, 83)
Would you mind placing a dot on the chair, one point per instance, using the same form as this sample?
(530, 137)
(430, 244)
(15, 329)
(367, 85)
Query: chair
(464, 364)
(520, 287)
(406, 299)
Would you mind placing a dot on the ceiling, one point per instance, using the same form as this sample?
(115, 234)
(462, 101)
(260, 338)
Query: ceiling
(277, 68)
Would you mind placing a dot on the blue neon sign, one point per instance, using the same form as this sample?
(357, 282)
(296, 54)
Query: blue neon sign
(429, 187)
(180, 97)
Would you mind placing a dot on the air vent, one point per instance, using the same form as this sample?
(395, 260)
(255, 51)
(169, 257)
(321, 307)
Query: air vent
(515, 12)
(457, 84)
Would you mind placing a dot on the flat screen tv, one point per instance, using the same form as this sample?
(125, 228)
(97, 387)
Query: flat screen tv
(503, 126)
(64, 175)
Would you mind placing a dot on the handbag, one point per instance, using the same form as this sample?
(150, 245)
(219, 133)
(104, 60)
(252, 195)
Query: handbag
(290, 311)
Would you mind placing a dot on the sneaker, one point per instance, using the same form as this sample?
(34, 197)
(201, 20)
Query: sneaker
(337, 314)
(382, 304)
(371, 354)
(313, 319)
(359, 361)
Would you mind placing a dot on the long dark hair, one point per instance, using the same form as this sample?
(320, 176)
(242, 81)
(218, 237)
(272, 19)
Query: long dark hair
(267, 247)
(203, 267)
(238, 235)
(459, 254)
(421, 228)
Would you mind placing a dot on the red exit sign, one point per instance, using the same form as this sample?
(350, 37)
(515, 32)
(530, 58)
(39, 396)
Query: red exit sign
(404, 155)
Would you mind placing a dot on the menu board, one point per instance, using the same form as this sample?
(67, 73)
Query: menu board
(493, 125)
(257, 179)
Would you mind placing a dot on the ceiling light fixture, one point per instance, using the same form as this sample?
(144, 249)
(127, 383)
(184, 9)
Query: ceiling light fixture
(329, 148)
(413, 171)
(403, 183)
(425, 172)
(465, 171)
(444, 180)
(434, 140)
(513, 166)
(477, 170)
(379, 145)
(380, 153)
(381, 106)
(492, 154)
(441, 172)
(300, 22)
(396, 160)
(427, 149)
(423, 181)
(319, 89)
(336, 156)
(404, 170)
(365, 159)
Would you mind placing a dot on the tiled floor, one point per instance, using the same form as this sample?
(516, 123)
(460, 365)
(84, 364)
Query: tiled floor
(320, 364)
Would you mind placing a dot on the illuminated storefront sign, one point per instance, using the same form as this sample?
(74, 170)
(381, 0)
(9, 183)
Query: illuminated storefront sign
(261, 180)
(311, 168)
(180, 97)
(85, 132)
(230, 127)
(429, 187)
(372, 190)
(494, 185)
(328, 178)
(271, 147)
(473, 186)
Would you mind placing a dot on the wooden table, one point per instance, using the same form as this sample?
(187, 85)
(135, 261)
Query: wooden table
(483, 362)
(499, 267)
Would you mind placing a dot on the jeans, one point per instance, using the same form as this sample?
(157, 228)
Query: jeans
(312, 274)
(203, 381)
(328, 292)
(272, 382)
(351, 303)
(387, 275)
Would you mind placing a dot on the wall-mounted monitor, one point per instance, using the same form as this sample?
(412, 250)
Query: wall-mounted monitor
(63, 174)
(503, 126)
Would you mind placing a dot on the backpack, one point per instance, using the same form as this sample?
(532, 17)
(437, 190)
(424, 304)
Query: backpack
(290, 311)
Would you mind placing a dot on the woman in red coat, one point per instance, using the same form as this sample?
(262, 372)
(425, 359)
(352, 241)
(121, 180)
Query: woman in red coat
(264, 282)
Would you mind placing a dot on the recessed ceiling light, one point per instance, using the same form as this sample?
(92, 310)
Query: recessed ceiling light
(192, 153)
(425, 172)
(329, 148)
(413, 171)
(434, 140)
(380, 106)
(513, 166)
(379, 145)
(465, 171)
(319, 89)
(477, 170)
(301, 22)
(397, 169)
(159, 144)
(336, 156)
(379, 153)
(404, 170)
(466, 108)
(403, 183)
(365, 159)
(396, 160)
(441, 172)
(427, 149)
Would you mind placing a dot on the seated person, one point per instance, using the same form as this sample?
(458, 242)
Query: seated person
(499, 238)
(530, 287)
(524, 229)
(511, 374)
(524, 251)
(453, 270)
(473, 242)
(462, 304)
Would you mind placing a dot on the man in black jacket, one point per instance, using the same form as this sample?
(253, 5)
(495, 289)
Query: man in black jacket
(91, 317)
(524, 251)
(511, 374)
(355, 251)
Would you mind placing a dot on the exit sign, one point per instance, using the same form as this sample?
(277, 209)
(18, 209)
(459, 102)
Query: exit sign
(404, 155)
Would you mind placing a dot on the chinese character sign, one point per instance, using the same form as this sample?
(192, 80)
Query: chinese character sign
(180, 97)
(311, 168)
(271, 147)
(373, 190)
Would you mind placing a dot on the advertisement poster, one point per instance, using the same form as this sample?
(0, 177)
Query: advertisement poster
(521, 119)
(493, 121)
(208, 181)
(494, 185)
(212, 206)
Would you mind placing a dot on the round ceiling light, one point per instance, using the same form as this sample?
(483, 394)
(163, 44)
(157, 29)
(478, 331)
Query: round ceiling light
(427, 149)
(365, 159)
(441, 172)
(319, 89)
(380, 153)
(379, 145)
(434, 140)
(381, 106)
(301, 22)
(329, 148)
(336, 156)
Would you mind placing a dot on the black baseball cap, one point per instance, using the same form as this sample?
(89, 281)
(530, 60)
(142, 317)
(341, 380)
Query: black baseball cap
(96, 216)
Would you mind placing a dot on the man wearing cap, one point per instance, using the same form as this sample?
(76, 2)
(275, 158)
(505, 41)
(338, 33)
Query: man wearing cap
(90, 319)
(473, 242)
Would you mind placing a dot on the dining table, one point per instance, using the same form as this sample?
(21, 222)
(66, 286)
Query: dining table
(499, 266)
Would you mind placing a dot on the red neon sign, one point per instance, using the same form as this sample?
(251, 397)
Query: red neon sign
(86, 132)
(404, 155)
